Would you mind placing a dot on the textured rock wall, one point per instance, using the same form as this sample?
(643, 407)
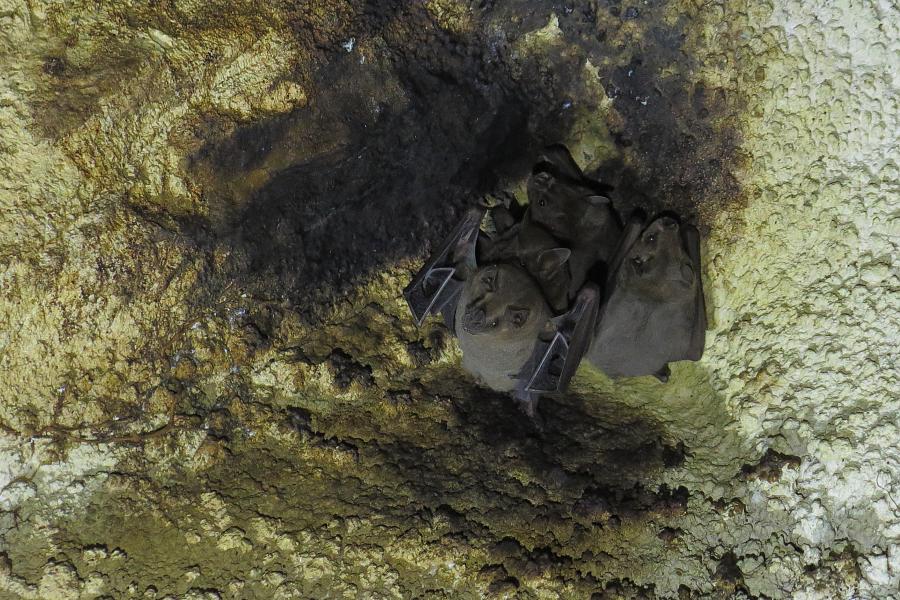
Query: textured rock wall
(211, 390)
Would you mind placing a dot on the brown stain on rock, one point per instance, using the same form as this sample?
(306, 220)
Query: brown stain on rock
(678, 138)
(417, 121)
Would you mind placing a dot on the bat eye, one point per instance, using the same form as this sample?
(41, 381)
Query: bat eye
(493, 323)
(542, 202)
(651, 238)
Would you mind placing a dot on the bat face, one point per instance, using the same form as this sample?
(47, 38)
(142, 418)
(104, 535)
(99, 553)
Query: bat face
(657, 265)
(556, 203)
(571, 206)
(502, 301)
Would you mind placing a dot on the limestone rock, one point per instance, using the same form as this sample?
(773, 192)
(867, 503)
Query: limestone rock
(211, 388)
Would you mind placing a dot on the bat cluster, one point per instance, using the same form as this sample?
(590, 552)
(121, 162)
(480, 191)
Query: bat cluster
(530, 292)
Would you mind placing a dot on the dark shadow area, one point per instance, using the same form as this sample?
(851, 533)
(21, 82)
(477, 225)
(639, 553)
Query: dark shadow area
(381, 163)
(394, 143)
(678, 140)
(497, 478)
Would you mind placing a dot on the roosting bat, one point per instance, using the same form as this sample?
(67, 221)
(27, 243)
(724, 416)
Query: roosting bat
(511, 342)
(654, 311)
(574, 209)
(500, 314)
(542, 257)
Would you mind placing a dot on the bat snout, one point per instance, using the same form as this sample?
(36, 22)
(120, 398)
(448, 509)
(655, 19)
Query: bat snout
(542, 181)
(639, 265)
(475, 320)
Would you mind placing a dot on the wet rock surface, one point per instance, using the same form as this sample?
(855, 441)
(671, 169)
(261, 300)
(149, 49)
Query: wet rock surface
(211, 387)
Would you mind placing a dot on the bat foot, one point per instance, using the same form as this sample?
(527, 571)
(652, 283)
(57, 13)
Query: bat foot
(528, 404)
(437, 285)
(663, 374)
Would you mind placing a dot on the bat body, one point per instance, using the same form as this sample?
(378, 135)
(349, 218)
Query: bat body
(510, 338)
(500, 314)
(572, 208)
(654, 311)
(531, 246)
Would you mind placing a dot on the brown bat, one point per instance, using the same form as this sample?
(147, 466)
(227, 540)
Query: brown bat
(508, 333)
(532, 247)
(500, 315)
(574, 209)
(654, 311)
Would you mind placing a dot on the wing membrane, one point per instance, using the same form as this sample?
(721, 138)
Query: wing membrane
(554, 363)
(436, 286)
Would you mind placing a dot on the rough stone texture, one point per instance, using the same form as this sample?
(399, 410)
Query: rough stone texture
(210, 388)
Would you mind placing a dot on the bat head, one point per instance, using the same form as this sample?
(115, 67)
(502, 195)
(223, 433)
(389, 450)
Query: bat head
(552, 202)
(657, 263)
(568, 209)
(502, 301)
(560, 197)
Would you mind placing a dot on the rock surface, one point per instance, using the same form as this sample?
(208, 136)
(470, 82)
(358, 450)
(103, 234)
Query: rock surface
(211, 388)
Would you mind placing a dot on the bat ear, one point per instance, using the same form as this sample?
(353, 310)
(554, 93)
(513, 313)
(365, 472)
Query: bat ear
(560, 157)
(552, 260)
(542, 180)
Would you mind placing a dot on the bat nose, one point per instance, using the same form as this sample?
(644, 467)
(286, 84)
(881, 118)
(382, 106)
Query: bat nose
(543, 180)
(638, 264)
(473, 320)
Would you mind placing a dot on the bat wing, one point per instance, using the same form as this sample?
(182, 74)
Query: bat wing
(553, 363)
(448, 312)
(437, 286)
(691, 238)
(560, 157)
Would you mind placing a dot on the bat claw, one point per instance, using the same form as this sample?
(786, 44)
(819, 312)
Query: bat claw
(435, 286)
(553, 364)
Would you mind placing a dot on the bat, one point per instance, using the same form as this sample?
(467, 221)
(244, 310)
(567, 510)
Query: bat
(500, 315)
(512, 343)
(499, 311)
(653, 311)
(574, 209)
(532, 247)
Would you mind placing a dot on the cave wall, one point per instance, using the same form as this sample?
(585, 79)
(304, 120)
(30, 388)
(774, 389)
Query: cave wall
(212, 389)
